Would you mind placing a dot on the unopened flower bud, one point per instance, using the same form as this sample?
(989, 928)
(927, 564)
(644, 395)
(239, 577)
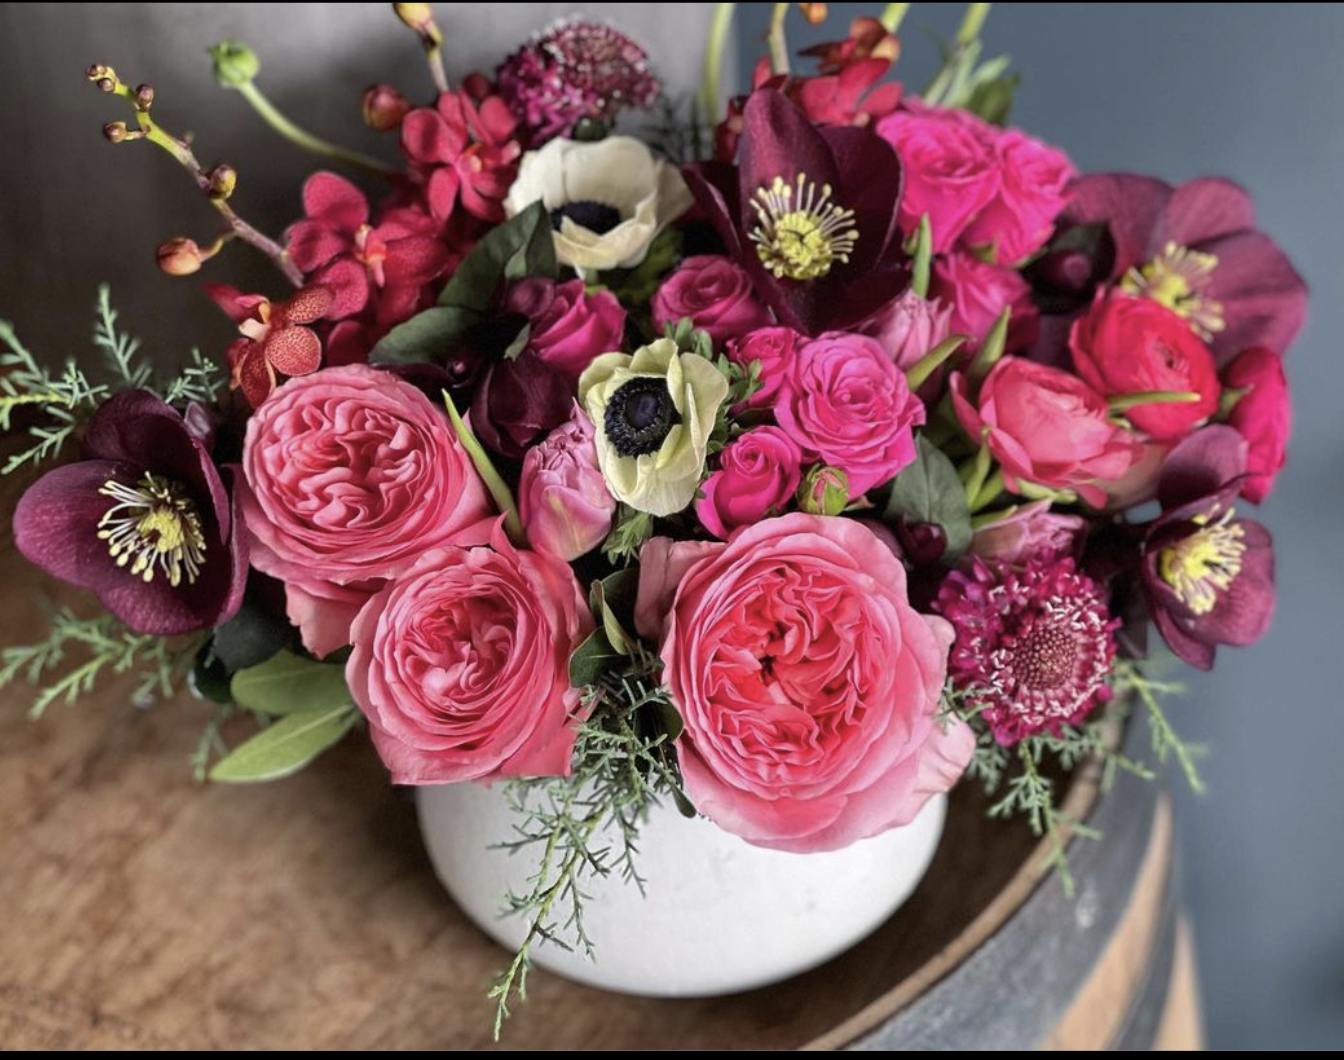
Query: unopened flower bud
(825, 491)
(180, 257)
(814, 13)
(384, 107)
(106, 84)
(223, 179)
(235, 63)
(115, 132)
(144, 97)
(419, 17)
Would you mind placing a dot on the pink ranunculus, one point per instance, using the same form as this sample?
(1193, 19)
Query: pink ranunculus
(978, 293)
(563, 500)
(1263, 416)
(349, 476)
(950, 170)
(758, 476)
(775, 349)
(1019, 219)
(462, 665)
(809, 686)
(569, 325)
(909, 327)
(1127, 345)
(847, 405)
(1047, 427)
(1031, 529)
(715, 293)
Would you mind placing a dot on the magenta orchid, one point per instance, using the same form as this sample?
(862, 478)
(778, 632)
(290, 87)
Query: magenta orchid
(464, 152)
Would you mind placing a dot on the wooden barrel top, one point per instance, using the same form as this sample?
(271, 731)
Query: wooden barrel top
(145, 911)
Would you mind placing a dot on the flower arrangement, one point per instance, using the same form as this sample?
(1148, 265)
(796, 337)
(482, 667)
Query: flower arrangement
(790, 464)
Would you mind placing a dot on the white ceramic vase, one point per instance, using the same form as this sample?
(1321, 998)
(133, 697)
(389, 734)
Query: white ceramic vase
(718, 916)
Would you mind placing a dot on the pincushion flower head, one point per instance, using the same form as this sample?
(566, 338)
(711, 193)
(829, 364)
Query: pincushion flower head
(572, 72)
(1035, 643)
(144, 521)
(810, 214)
(607, 200)
(653, 413)
(278, 338)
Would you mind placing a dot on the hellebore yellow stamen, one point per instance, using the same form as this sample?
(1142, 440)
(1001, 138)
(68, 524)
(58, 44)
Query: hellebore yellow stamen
(801, 233)
(1201, 566)
(1178, 279)
(154, 527)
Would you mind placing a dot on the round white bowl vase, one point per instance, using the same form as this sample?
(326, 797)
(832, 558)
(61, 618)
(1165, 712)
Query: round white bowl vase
(718, 915)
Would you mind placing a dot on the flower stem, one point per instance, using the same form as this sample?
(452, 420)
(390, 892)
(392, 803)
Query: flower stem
(779, 44)
(494, 482)
(1124, 402)
(714, 49)
(988, 492)
(972, 23)
(992, 349)
(920, 371)
(893, 16)
(305, 140)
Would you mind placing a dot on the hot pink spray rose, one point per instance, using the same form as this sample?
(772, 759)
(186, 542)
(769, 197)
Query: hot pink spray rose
(978, 293)
(1032, 181)
(909, 327)
(564, 503)
(715, 293)
(1263, 416)
(570, 326)
(1046, 427)
(349, 476)
(775, 349)
(758, 474)
(462, 665)
(847, 405)
(809, 686)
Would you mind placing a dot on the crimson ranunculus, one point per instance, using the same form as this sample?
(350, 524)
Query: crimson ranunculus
(1263, 416)
(715, 293)
(1127, 345)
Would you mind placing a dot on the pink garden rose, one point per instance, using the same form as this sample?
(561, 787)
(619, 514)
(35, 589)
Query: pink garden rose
(569, 325)
(758, 475)
(1127, 345)
(776, 349)
(809, 686)
(1046, 427)
(462, 664)
(1031, 529)
(950, 170)
(1032, 181)
(847, 405)
(978, 293)
(349, 476)
(563, 500)
(715, 293)
(909, 327)
(1263, 416)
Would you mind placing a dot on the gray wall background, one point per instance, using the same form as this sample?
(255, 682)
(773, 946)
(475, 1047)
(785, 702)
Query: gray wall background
(1253, 92)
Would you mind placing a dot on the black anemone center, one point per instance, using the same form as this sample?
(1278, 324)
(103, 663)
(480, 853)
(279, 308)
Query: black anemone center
(597, 217)
(640, 416)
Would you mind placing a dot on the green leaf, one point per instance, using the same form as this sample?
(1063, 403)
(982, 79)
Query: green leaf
(285, 747)
(591, 659)
(426, 338)
(929, 491)
(251, 636)
(519, 344)
(521, 246)
(993, 99)
(636, 286)
(290, 684)
(613, 601)
(485, 467)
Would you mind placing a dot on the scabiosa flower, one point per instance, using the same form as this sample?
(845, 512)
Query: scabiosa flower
(573, 71)
(1034, 643)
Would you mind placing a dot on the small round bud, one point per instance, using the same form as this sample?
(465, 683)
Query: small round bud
(223, 179)
(814, 13)
(144, 97)
(235, 63)
(180, 257)
(114, 132)
(420, 17)
(590, 130)
(106, 84)
(384, 107)
(824, 491)
(922, 543)
(98, 72)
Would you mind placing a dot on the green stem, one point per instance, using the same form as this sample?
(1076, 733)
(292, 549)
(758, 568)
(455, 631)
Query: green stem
(922, 258)
(305, 140)
(779, 45)
(1123, 402)
(499, 489)
(972, 23)
(992, 349)
(933, 360)
(714, 49)
(988, 493)
(893, 16)
(975, 473)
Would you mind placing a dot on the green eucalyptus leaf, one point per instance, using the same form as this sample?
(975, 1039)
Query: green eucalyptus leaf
(521, 246)
(591, 659)
(285, 747)
(929, 491)
(426, 338)
(290, 684)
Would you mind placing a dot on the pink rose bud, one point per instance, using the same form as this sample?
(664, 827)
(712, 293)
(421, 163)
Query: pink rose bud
(384, 107)
(180, 257)
(715, 293)
(825, 491)
(1031, 529)
(758, 476)
(564, 503)
(909, 327)
(570, 327)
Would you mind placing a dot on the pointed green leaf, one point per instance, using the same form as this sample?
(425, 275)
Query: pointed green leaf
(285, 747)
(591, 660)
(521, 246)
(426, 338)
(929, 491)
(289, 683)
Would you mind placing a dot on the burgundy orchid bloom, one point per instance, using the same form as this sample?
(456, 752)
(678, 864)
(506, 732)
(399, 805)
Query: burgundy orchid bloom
(810, 214)
(1207, 574)
(1194, 248)
(276, 336)
(144, 522)
(386, 264)
(464, 151)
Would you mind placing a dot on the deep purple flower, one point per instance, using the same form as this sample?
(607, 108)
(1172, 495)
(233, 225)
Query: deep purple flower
(1194, 248)
(519, 401)
(1208, 575)
(810, 213)
(145, 521)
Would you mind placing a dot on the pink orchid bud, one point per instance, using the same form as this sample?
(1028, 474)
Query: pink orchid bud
(144, 97)
(180, 257)
(223, 179)
(564, 503)
(384, 107)
(114, 132)
(814, 13)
